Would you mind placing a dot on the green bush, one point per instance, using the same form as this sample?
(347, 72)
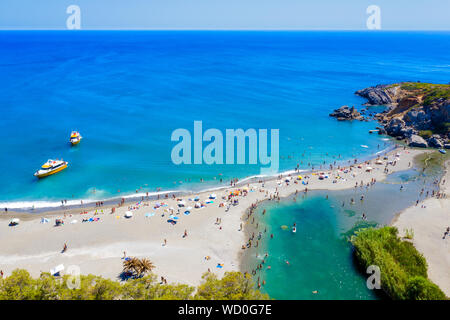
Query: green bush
(419, 288)
(399, 263)
(430, 91)
(233, 286)
(425, 133)
(21, 286)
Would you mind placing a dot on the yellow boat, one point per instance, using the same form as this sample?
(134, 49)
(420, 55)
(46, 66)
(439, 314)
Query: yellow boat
(51, 167)
(75, 138)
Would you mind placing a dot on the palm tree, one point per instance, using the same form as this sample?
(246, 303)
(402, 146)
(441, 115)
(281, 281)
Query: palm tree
(130, 265)
(138, 267)
(145, 266)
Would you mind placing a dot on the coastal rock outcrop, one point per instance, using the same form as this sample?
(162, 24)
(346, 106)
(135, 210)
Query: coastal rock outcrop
(378, 95)
(419, 112)
(417, 141)
(397, 128)
(436, 142)
(346, 113)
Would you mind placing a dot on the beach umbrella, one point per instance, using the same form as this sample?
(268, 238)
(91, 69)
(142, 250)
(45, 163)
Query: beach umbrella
(181, 203)
(212, 196)
(128, 214)
(14, 222)
(299, 178)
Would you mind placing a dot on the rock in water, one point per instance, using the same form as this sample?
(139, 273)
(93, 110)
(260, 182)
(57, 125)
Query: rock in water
(346, 113)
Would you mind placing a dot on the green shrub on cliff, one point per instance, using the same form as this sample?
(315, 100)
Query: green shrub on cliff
(403, 268)
(21, 286)
(430, 91)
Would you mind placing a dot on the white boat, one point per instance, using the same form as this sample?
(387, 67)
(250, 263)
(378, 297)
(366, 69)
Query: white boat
(51, 167)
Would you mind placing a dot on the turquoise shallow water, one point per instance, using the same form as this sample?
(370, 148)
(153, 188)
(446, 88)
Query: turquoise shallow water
(127, 91)
(320, 258)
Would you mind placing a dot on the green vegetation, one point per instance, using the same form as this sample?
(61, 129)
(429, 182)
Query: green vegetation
(419, 288)
(431, 162)
(409, 234)
(430, 91)
(359, 225)
(233, 286)
(21, 286)
(403, 268)
(425, 134)
(442, 128)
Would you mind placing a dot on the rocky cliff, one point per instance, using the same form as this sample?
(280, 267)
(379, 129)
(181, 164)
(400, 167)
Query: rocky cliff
(417, 112)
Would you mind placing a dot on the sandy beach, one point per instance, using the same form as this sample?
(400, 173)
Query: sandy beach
(97, 247)
(429, 220)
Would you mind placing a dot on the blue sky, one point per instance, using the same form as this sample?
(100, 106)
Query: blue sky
(226, 14)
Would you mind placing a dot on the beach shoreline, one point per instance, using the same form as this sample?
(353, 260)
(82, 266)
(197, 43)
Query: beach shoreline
(39, 207)
(97, 247)
(428, 221)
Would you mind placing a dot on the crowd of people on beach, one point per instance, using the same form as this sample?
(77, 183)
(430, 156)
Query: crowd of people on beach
(257, 232)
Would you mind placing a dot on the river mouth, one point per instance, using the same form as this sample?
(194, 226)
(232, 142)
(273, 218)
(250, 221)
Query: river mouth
(316, 262)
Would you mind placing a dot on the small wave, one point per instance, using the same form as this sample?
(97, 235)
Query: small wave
(39, 204)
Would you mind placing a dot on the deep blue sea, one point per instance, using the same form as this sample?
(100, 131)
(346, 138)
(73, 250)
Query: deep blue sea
(127, 91)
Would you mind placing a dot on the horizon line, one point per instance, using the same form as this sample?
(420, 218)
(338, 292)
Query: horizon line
(213, 29)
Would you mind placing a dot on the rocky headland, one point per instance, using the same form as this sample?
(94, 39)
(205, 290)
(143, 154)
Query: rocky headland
(416, 112)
